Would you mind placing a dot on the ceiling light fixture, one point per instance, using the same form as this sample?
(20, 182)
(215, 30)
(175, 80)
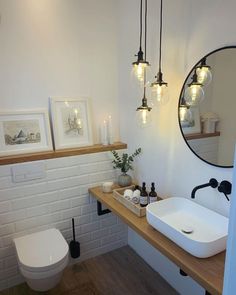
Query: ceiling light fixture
(159, 87)
(185, 113)
(141, 64)
(143, 112)
(194, 93)
(204, 75)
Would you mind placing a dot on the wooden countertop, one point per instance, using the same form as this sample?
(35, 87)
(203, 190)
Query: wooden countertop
(208, 272)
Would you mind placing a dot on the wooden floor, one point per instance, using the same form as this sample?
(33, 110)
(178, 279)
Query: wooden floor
(120, 272)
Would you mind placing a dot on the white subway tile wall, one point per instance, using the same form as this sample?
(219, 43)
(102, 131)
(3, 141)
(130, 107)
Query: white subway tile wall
(51, 202)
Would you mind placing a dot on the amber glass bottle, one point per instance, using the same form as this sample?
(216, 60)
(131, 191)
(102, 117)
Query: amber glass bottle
(143, 196)
(152, 194)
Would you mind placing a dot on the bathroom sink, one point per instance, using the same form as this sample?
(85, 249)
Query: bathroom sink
(198, 230)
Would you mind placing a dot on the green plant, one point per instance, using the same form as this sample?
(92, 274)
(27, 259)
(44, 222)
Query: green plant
(124, 162)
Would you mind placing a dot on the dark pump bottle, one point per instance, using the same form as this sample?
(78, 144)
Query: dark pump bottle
(152, 194)
(143, 196)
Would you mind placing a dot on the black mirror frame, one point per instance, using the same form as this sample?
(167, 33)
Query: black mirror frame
(179, 102)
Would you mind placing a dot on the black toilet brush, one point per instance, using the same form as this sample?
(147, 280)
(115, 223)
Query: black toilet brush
(74, 245)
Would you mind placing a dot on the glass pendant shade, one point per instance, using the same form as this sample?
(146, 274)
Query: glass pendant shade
(143, 114)
(139, 69)
(185, 114)
(204, 75)
(203, 71)
(160, 94)
(143, 118)
(194, 93)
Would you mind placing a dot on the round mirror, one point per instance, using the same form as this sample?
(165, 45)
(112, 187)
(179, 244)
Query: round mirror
(207, 108)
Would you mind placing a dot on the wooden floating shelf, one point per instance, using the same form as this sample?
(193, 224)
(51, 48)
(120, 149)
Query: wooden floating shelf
(96, 148)
(201, 135)
(208, 272)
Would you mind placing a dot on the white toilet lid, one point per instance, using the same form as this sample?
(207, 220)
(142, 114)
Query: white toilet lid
(41, 249)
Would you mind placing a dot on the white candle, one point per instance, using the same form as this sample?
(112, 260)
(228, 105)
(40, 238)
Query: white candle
(104, 135)
(110, 131)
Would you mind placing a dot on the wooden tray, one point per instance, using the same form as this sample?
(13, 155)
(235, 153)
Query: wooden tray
(118, 194)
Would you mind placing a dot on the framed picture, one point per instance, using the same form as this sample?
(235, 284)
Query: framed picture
(25, 131)
(71, 122)
(191, 121)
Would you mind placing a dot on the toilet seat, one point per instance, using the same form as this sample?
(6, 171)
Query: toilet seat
(44, 252)
(37, 274)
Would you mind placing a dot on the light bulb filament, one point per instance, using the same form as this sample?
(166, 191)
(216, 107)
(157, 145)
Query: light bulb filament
(144, 116)
(139, 70)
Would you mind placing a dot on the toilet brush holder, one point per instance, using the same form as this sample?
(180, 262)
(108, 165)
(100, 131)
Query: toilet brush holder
(74, 245)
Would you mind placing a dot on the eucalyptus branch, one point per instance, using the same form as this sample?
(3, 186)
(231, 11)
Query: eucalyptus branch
(124, 162)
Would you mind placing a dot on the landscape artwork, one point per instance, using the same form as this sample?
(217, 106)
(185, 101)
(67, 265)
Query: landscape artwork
(72, 122)
(18, 132)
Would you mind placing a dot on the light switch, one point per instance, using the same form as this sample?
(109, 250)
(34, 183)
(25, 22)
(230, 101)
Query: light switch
(29, 171)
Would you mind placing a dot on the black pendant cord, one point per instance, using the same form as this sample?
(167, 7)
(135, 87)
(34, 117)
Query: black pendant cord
(145, 54)
(145, 37)
(141, 25)
(160, 46)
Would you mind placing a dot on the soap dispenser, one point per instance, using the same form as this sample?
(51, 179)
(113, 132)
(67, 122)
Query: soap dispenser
(143, 196)
(152, 194)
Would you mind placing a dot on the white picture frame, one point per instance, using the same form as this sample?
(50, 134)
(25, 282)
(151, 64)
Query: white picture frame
(192, 124)
(24, 131)
(71, 122)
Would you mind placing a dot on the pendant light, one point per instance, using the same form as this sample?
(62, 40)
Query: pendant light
(159, 87)
(141, 64)
(194, 93)
(185, 113)
(144, 111)
(204, 75)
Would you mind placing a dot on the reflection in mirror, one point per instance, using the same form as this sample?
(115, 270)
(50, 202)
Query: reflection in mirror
(203, 72)
(209, 126)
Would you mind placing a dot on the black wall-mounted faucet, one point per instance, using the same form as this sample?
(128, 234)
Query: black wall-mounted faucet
(225, 187)
(212, 183)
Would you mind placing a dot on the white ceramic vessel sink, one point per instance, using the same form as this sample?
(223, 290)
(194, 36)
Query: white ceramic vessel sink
(196, 229)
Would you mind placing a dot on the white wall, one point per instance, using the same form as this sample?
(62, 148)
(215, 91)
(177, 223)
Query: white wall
(59, 48)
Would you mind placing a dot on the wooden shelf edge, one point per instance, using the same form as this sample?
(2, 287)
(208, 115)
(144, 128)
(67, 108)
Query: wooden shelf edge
(201, 135)
(96, 148)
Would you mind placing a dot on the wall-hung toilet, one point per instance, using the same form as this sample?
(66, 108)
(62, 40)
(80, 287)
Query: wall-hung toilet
(42, 257)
